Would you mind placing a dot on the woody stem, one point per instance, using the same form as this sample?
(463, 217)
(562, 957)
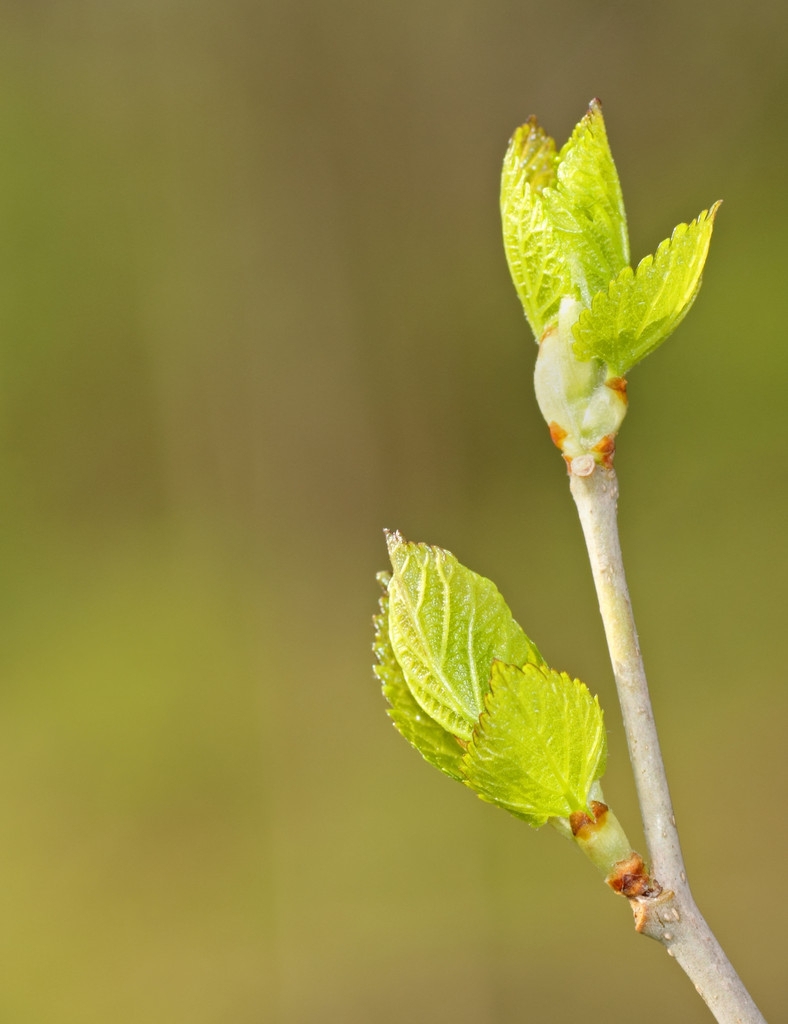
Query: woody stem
(672, 918)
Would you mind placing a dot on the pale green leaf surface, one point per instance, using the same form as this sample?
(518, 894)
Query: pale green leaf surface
(447, 625)
(431, 740)
(640, 309)
(586, 208)
(539, 745)
(564, 226)
(539, 272)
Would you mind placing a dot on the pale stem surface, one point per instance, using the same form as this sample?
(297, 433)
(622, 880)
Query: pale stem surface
(672, 918)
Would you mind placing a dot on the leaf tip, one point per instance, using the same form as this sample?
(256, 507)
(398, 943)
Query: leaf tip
(593, 117)
(394, 540)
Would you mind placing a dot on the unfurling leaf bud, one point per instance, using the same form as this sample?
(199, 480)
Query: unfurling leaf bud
(565, 238)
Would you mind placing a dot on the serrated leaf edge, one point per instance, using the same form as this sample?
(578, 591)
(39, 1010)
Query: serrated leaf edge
(600, 759)
(654, 259)
(381, 648)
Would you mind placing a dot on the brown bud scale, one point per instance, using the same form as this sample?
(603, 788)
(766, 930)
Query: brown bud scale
(630, 878)
(557, 434)
(582, 825)
(619, 385)
(606, 448)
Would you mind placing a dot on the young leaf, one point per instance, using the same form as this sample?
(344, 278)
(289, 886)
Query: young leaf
(564, 227)
(431, 740)
(539, 272)
(586, 207)
(639, 309)
(539, 745)
(447, 625)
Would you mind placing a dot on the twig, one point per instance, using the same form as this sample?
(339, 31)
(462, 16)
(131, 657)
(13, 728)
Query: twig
(671, 918)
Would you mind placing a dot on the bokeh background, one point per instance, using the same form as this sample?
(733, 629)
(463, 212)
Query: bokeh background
(254, 308)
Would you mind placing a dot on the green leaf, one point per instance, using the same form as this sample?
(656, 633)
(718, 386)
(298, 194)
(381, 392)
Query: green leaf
(539, 745)
(538, 270)
(447, 625)
(586, 207)
(431, 740)
(564, 227)
(639, 309)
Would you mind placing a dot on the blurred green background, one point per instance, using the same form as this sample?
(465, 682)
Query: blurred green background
(254, 308)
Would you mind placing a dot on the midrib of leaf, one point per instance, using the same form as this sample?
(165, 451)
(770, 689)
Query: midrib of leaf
(433, 742)
(426, 651)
